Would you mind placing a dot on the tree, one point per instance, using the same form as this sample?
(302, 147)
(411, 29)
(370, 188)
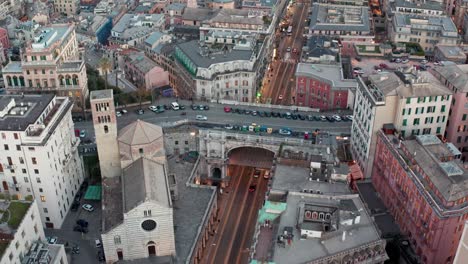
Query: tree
(142, 93)
(105, 66)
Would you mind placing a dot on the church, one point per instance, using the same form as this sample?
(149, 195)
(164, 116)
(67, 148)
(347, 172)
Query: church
(137, 208)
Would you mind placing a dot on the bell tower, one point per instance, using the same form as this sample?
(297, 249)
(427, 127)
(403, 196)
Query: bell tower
(105, 129)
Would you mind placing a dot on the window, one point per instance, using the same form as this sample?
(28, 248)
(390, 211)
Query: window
(35, 228)
(459, 138)
(405, 122)
(464, 117)
(442, 110)
(43, 198)
(117, 240)
(408, 100)
(186, 142)
(403, 112)
(31, 148)
(38, 180)
(147, 213)
(47, 219)
(176, 142)
(6, 147)
(141, 150)
(36, 171)
(41, 190)
(34, 160)
(438, 130)
(26, 179)
(416, 121)
(45, 210)
(18, 147)
(23, 234)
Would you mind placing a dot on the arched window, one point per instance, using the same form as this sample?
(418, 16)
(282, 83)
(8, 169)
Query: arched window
(15, 81)
(61, 80)
(106, 129)
(117, 240)
(314, 215)
(68, 80)
(21, 80)
(321, 216)
(9, 80)
(327, 216)
(75, 80)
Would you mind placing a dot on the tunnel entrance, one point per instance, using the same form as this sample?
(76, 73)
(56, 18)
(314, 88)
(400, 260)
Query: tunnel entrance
(251, 157)
(216, 174)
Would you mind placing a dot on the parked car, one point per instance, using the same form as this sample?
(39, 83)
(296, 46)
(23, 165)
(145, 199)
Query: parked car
(118, 114)
(140, 111)
(405, 61)
(75, 206)
(257, 173)
(252, 188)
(153, 108)
(280, 97)
(266, 175)
(247, 112)
(383, 66)
(267, 114)
(194, 107)
(227, 109)
(52, 240)
(83, 133)
(100, 256)
(229, 127)
(285, 131)
(97, 242)
(201, 118)
(337, 118)
(323, 118)
(301, 117)
(398, 60)
(87, 207)
(82, 222)
(330, 118)
(288, 49)
(81, 229)
(424, 61)
(124, 111)
(254, 113)
(310, 118)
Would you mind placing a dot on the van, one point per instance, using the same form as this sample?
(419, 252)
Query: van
(175, 106)
(98, 243)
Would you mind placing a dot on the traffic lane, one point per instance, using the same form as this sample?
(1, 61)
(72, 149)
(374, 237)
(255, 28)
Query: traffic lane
(254, 203)
(224, 246)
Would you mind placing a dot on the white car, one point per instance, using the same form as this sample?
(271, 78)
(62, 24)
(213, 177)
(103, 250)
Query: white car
(323, 118)
(337, 118)
(405, 61)
(350, 117)
(118, 114)
(201, 118)
(229, 127)
(124, 111)
(98, 243)
(423, 61)
(52, 240)
(152, 108)
(88, 207)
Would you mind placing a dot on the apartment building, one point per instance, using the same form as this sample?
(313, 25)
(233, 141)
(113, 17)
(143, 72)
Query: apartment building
(455, 78)
(50, 63)
(39, 157)
(67, 7)
(415, 102)
(144, 72)
(218, 72)
(462, 252)
(133, 29)
(427, 31)
(460, 12)
(423, 183)
(323, 87)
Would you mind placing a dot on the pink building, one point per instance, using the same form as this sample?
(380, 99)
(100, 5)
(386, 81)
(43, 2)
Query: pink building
(322, 86)
(173, 13)
(423, 184)
(144, 72)
(455, 77)
(4, 38)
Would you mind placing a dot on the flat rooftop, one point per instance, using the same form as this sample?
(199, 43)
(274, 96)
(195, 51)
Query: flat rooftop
(330, 243)
(432, 23)
(32, 106)
(451, 52)
(102, 94)
(331, 74)
(457, 75)
(330, 17)
(10, 219)
(193, 51)
(46, 37)
(189, 209)
(296, 179)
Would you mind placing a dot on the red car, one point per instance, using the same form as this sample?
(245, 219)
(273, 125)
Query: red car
(227, 109)
(294, 50)
(252, 188)
(383, 65)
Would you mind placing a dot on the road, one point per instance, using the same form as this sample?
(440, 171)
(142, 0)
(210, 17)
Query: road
(232, 240)
(217, 115)
(278, 84)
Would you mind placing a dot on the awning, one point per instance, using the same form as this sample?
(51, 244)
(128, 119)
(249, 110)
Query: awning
(93, 193)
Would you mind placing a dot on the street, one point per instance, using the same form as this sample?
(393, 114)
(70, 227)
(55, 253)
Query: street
(231, 241)
(278, 85)
(216, 115)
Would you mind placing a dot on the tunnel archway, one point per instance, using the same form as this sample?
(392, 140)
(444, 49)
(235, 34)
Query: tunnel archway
(251, 156)
(216, 173)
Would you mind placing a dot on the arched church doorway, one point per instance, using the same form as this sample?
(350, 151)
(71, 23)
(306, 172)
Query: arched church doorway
(151, 248)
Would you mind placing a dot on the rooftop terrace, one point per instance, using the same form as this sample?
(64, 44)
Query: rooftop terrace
(12, 214)
(339, 18)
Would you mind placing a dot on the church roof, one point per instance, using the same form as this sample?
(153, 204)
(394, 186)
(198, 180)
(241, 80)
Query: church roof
(140, 133)
(145, 180)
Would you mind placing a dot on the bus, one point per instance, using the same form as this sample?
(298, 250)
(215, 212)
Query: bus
(289, 31)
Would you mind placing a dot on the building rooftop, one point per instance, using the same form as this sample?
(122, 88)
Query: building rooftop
(13, 67)
(145, 180)
(436, 160)
(41, 252)
(450, 52)
(112, 203)
(140, 133)
(140, 61)
(153, 38)
(190, 209)
(102, 94)
(350, 227)
(176, 7)
(428, 5)
(457, 75)
(131, 20)
(199, 14)
(17, 112)
(318, 46)
(436, 23)
(331, 74)
(296, 179)
(45, 37)
(13, 213)
(194, 52)
(406, 84)
(259, 3)
(339, 18)
(235, 17)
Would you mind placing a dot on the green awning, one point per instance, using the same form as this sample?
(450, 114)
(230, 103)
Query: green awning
(93, 193)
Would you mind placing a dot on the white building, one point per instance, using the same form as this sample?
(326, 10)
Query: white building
(39, 156)
(134, 29)
(416, 103)
(23, 236)
(220, 72)
(67, 7)
(427, 31)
